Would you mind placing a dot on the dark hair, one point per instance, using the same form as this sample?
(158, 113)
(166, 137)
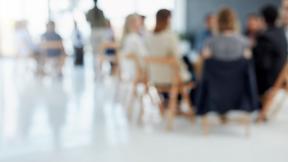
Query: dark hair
(162, 20)
(254, 15)
(95, 2)
(270, 14)
(51, 22)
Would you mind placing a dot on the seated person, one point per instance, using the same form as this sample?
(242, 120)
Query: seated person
(164, 42)
(270, 52)
(54, 54)
(228, 45)
(254, 26)
(132, 44)
(208, 32)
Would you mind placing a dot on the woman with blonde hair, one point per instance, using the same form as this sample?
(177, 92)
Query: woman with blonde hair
(228, 45)
(132, 43)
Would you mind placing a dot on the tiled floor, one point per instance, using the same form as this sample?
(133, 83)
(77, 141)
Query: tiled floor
(78, 120)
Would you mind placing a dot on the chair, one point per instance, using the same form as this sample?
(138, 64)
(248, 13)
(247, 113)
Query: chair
(227, 86)
(139, 78)
(43, 59)
(108, 54)
(281, 83)
(176, 88)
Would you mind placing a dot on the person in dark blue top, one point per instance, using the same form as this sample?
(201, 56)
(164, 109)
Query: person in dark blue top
(53, 49)
(208, 32)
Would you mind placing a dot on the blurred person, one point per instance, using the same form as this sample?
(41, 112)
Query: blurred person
(164, 42)
(55, 56)
(228, 45)
(26, 48)
(208, 32)
(284, 18)
(24, 43)
(228, 48)
(254, 26)
(270, 52)
(132, 42)
(99, 30)
(144, 32)
(78, 45)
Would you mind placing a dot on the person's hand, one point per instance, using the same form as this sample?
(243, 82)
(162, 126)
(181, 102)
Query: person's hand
(247, 54)
(206, 54)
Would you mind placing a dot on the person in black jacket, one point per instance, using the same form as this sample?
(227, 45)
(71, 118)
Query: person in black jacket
(270, 52)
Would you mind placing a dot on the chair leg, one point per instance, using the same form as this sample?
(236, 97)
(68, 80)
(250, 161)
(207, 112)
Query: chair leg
(131, 100)
(186, 98)
(172, 107)
(247, 121)
(267, 104)
(205, 124)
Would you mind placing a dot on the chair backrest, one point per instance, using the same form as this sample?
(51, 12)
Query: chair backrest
(48, 45)
(136, 64)
(169, 62)
(52, 45)
(109, 45)
(227, 85)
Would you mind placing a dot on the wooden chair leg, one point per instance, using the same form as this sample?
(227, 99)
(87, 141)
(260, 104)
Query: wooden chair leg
(205, 124)
(131, 100)
(186, 98)
(141, 114)
(267, 104)
(247, 122)
(172, 107)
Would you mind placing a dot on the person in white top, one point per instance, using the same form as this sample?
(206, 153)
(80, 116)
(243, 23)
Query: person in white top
(24, 43)
(164, 42)
(132, 44)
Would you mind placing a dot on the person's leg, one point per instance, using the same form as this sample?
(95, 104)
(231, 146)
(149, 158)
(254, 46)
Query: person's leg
(78, 56)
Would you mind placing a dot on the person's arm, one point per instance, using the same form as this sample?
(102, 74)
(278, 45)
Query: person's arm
(247, 53)
(206, 52)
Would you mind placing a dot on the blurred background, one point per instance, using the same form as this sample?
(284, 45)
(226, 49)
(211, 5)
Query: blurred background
(85, 80)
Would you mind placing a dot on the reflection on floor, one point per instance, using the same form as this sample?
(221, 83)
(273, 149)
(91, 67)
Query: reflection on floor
(78, 120)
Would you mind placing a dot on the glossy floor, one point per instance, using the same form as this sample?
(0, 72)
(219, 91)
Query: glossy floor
(79, 120)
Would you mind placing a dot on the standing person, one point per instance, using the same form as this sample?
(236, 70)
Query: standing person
(208, 32)
(254, 26)
(99, 30)
(53, 48)
(270, 52)
(78, 45)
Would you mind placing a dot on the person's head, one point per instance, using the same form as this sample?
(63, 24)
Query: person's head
(270, 14)
(143, 18)
(163, 20)
(22, 24)
(132, 24)
(254, 22)
(227, 20)
(50, 27)
(95, 2)
(211, 22)
(284, 13)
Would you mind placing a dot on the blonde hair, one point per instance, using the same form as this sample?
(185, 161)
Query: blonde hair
(130, 19)
(227, 20)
